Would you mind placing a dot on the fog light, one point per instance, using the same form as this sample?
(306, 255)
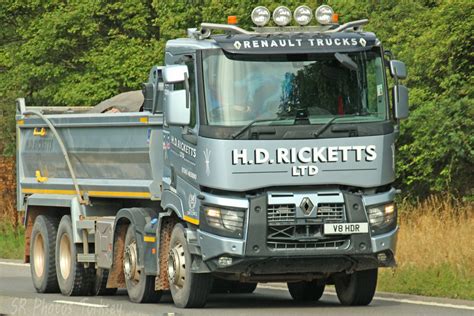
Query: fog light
(382, 257)
(260, 16)
(224, 261)
(324, 14)
(282, 16)
(303, 15)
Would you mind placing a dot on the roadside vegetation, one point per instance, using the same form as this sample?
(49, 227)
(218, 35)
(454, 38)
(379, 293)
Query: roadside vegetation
(435, 251)
(12, 240)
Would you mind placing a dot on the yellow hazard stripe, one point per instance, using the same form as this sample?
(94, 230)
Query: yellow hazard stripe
(149, 239)
(90, 193)
(191, 220)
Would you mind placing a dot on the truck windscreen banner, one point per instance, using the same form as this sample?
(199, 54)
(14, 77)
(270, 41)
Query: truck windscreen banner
(296, 44)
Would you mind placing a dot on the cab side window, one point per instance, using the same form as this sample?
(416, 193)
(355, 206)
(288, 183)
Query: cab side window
(192, 91)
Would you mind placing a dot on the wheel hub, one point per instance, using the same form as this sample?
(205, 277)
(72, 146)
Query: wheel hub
(130, 263)
(65, 257)
(177, 266)
(39, 255)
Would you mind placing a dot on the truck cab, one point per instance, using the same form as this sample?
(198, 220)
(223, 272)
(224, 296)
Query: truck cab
(280, 144)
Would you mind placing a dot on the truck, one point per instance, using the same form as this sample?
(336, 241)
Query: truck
(251, 156)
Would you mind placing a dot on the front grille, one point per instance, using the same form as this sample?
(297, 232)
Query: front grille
(286, 230)
(331, 212)
(282, 213)
(323, 244)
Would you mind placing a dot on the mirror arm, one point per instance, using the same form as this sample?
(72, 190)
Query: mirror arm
(186, 86)
(190, 136)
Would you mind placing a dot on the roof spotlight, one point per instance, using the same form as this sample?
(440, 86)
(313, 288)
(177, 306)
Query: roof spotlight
(324, 14)
(260, 16)
(282, 16)
(303, 15)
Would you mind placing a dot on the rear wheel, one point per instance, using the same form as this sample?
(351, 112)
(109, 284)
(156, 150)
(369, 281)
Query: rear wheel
(226, 286)
(306, 291)
(100, 283)
(187, 289)
(357, 288)
(73, 278)
(140, 287)
(42, 254)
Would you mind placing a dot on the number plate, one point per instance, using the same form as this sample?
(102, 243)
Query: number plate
(346, 229)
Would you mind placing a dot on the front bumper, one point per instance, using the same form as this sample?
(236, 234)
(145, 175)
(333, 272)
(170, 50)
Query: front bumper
(253, 255)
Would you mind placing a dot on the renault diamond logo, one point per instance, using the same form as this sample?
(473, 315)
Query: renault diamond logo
(363, 42)
(307, 206)
(237, 44)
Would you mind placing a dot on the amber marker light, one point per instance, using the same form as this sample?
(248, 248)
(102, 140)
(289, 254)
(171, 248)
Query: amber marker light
(232, 20)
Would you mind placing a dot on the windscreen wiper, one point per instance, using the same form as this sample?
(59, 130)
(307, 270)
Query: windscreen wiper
(329, 123)
(246, 127)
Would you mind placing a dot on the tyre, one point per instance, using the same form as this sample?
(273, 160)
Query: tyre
(140, 287)
(187, 289)
(73, 278)
(42, 254)
(100, 283)
(305, 291)
(356, 289)
(226, 286)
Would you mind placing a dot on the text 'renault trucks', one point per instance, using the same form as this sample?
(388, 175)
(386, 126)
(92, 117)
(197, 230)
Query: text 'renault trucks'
(253, 156)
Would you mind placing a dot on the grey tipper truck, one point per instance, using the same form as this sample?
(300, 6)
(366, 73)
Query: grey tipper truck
(251, 156)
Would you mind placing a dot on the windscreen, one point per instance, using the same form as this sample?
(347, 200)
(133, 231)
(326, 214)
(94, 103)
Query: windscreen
(284, 88)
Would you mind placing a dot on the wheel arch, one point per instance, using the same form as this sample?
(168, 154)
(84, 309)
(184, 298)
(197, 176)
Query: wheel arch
(31, 213)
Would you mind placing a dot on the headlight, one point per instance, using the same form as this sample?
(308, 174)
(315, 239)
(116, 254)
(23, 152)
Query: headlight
(282, 16)
(260, 16)
(382, 218)
(224, 222)
(324, 14)
(303, 15)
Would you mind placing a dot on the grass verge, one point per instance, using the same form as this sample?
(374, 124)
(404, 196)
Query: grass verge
(435, 250)
(442, 280)
(12, 240)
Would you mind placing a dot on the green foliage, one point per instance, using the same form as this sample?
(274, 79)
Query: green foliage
(444, 280)
(81, 52)
(12, 240)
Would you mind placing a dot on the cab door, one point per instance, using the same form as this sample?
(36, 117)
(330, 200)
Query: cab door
(180, 146)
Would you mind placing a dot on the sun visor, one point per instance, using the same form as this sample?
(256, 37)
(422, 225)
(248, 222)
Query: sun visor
(296, 43)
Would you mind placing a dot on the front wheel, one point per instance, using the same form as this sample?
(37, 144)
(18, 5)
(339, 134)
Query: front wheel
(140, 287)
(306, 291)
(187, 289)
(356, 289)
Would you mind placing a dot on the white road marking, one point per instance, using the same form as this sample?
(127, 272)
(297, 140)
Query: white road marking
(389, 299)
(17, 264)
(402, 300)
(81, 304)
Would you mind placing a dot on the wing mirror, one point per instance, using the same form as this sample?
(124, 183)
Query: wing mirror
(400, 101)
(398, 69)
(176, 96)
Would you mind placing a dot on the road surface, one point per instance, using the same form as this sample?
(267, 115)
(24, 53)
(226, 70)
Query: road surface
(18, 297)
